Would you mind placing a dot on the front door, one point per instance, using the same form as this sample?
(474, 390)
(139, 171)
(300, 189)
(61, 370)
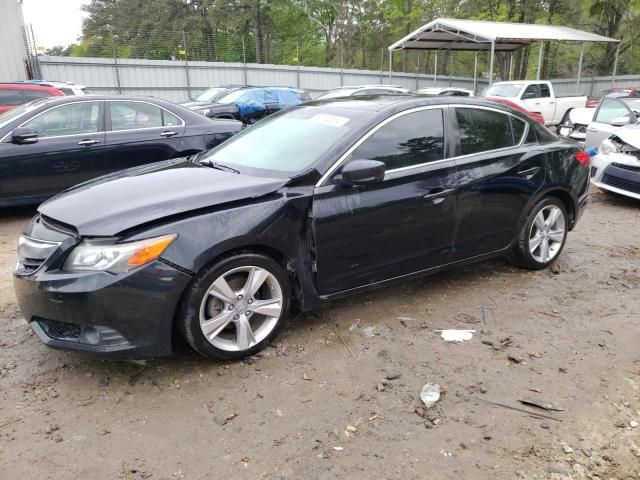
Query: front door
(404, 224)
(68, 150)
(139, 132)
(608, 112)
(500, 167)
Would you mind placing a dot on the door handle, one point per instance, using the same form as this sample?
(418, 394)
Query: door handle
(168, 134)
(88, 142)
(529, 172)
(438, 195)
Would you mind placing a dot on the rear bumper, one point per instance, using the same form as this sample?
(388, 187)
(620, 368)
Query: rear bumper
(124, 316)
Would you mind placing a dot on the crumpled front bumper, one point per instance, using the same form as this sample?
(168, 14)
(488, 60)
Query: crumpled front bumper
(618, 173)
(124, 316)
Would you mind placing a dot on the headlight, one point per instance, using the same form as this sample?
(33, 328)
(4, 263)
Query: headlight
(607, 147)
(106, 256)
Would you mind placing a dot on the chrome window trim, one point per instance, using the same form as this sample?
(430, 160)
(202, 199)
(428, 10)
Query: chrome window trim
(53, 108)
(443, 107)
(183, 124)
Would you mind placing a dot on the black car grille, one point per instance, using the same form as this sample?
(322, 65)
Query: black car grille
(631, 168)
(60, 330)
(621, 183)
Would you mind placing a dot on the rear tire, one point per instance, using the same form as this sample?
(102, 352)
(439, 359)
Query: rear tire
(542, 236)
(236, 307)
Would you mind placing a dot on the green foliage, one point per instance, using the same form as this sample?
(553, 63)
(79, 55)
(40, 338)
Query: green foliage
(351, 33)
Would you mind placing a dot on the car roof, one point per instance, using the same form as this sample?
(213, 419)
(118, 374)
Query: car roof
(400, 102)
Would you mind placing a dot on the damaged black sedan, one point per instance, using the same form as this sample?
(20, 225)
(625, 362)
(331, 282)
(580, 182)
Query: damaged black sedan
(324, 200)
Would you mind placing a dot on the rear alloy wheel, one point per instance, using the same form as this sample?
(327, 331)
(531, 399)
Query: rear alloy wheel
(235, 308)
(542, 236)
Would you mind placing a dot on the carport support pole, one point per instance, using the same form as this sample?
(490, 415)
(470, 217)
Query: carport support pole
(510, 66)
(580, 65)
(435, 69)
(244, 62)
(492, 54)
(615, 67)
(540, 59)
(390, 64)
(475, 75)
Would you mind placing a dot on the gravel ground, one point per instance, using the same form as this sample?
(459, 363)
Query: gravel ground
(330, 401)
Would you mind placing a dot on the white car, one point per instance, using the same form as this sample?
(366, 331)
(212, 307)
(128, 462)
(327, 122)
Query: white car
(616, 167)
(448, 91)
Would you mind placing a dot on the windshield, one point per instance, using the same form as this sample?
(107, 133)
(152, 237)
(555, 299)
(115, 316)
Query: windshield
(233, 96)
(10, 115)
(503, 90)
(343, 92)
(212, 95)
(289, 142)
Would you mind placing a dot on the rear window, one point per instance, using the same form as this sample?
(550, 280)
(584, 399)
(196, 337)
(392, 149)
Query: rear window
(11, 97)
(483, 130)
(503, 90)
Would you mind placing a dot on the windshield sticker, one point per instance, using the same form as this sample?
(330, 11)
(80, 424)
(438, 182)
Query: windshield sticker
(331, 120)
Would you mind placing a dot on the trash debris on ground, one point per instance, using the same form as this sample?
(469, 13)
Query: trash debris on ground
(500, 344)
(338, 449)
(430, 394)
(371, 331)
(542, 404)
(522, 410)
(466, 318)
(354, 325)
(393, 376)
(456, 335)
(485, 314)
(220, 420)
(515, 358)
(306, 376)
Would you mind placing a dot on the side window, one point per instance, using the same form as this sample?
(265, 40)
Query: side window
(517, 128)
(11, 97)
(545, 92)
(35, 94)
(132, 115)
(609, 110)
(531, 136)
(170, 120)
(481, 130)
(71, 119)
(532, 91)
(411, 139)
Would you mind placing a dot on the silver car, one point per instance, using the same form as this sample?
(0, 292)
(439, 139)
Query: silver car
(610, 116)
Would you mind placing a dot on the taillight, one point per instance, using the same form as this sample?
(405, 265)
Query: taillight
(582, 157)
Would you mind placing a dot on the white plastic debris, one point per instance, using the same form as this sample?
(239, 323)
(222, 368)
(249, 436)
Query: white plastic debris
(430, 394)
(457, 335)
(338, 449)
(371, 331)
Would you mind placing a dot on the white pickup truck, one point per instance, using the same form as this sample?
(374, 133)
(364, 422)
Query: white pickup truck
(537, 97)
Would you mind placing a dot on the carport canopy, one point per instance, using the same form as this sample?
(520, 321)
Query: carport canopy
(478, 35)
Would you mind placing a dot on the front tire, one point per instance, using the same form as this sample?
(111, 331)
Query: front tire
(236, 307)
(542, 236)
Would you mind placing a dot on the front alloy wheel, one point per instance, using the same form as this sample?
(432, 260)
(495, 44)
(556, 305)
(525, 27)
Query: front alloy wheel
(236, 307)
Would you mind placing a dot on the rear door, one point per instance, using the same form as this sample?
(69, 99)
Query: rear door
(68, 150)
(608, 111)
(500, 167)
(370, 233)
(140, 132)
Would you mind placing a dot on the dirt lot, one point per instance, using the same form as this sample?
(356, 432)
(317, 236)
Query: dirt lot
(319, 404)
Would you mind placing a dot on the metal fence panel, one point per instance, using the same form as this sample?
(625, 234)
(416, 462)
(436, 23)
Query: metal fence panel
(175, 80)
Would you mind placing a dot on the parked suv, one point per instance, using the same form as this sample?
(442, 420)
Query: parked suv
(12, 94)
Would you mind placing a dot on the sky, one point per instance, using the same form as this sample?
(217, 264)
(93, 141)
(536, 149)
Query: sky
(55, 22)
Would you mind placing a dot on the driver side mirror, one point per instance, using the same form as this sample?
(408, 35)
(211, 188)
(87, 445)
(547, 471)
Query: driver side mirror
(529, 95)
(22, 135)
(620, 121)
(362, 172)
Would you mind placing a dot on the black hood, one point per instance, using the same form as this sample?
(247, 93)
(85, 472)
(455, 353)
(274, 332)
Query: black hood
(117, 202)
